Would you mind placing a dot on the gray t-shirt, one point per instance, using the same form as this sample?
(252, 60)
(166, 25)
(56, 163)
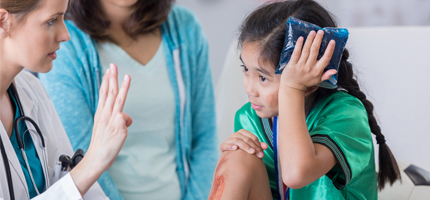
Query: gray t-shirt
(146, 165)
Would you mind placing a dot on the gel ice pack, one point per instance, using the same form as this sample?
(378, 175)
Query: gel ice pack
(297, 28)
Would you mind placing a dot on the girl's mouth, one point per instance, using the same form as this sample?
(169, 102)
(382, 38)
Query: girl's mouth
(256, 107)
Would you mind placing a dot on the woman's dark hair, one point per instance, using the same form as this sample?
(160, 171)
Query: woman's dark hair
(266, 27)
(146, 16)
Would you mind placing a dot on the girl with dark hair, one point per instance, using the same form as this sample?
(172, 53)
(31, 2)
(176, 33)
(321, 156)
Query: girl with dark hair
(323, 144)
(171, 150)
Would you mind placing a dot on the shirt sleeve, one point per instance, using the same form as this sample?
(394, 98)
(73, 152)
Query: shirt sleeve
(64, 147)
(63, 189)
(247, 120)
(342, 126)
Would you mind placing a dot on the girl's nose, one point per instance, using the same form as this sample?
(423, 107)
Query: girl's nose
(250, 89)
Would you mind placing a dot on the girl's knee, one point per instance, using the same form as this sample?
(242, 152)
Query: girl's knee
(239, 163)
(237, 173)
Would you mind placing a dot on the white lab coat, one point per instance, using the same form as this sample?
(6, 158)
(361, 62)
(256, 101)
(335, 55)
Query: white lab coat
(38, 106)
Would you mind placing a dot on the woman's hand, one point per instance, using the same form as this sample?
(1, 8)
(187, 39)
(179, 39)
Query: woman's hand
(304, 70)
(109, 131)
(245, 141)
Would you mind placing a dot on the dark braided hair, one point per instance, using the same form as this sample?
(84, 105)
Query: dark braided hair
(266, 27)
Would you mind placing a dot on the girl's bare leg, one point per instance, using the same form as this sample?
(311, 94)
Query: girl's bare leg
(240, 176)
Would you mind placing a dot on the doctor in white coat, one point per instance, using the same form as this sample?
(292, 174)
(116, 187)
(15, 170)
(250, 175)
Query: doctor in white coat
(31, 31)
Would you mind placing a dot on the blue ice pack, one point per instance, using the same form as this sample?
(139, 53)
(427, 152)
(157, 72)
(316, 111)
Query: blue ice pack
(297, 28)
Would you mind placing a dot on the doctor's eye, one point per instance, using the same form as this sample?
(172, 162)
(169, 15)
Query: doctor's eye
(245, 69)
(52, 21)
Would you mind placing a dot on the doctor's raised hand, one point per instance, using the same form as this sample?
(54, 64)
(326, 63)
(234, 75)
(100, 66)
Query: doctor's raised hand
(109, 131)
(32, 137)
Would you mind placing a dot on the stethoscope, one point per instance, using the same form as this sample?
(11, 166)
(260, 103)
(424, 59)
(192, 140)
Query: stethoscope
(21, 146)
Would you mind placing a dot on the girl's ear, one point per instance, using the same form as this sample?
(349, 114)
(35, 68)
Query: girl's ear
(310, 90)
(4, 22)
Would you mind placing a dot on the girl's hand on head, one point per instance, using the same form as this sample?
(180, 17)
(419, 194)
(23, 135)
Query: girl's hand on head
(246, 141)
(304, 70)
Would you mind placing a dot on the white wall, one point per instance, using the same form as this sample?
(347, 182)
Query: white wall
(221, 18)
(394, 75)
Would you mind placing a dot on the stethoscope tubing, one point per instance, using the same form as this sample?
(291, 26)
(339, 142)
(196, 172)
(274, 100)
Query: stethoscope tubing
(21, 146)
(7, 170)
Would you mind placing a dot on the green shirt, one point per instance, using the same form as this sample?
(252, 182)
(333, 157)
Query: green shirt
(339, 122)
(247, 119)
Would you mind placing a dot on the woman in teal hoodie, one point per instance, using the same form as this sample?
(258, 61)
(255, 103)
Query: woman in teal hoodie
(171, 149)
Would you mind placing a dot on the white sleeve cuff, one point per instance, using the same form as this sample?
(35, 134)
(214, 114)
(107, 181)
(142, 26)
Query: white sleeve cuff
(69, 187)
(63, 189)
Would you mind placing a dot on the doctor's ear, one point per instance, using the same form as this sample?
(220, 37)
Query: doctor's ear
(5, 18)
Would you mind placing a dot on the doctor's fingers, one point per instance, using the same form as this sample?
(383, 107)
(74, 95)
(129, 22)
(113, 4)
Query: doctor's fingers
(128, 119)
(112, 93)
(122, 95)
(120, 122)
(104, 88)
